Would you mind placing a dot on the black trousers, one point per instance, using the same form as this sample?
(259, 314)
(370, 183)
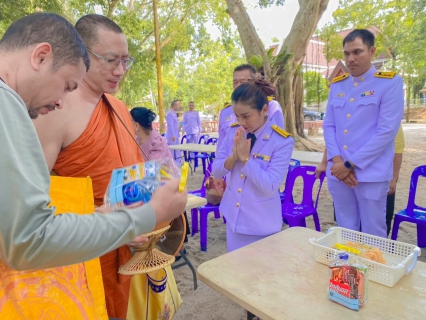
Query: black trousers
(390, 208)
(188, 231)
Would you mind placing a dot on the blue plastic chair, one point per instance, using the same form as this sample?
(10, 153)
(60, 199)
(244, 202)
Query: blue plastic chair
(295, 213)
(212, 141)
(182, 141)
(195, 155)
(413, 213)
(205, 156)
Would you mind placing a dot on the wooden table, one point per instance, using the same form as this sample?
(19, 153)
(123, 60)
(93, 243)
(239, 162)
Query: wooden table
(305, 157)
(195, 202)
(277, 278)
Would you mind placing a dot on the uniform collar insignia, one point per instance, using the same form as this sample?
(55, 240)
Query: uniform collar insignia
(340, 78)
(385, 74)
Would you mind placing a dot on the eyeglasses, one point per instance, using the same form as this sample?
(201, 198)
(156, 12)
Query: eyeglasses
(112, 64)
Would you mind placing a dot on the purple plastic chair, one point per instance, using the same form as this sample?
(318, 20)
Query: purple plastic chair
(204, 211)
(294, 213)
(293, 164)
(413, 213)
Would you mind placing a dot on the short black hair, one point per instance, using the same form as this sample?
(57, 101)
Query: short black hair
(243, 67)
(67, 45)
(174, 102)
(366, 36)
(143, 116)
(88, 26)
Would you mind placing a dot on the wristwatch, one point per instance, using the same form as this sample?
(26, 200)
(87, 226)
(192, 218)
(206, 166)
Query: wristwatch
(349, 165)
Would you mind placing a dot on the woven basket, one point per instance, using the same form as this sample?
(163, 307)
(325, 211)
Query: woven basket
(147, 257)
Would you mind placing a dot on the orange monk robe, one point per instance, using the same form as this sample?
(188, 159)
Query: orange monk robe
(104, 145)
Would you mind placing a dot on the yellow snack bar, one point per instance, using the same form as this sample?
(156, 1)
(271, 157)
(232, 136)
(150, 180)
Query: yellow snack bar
(183, 177)
(346, 248)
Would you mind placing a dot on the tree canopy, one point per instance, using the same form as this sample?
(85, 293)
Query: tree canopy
(187, 48)
(315, 88)
(399, 27)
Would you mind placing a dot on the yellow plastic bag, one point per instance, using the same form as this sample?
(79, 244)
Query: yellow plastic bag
(70, 292)
(154, 295)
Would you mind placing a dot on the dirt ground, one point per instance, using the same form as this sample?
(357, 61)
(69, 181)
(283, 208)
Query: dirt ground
(206, 303)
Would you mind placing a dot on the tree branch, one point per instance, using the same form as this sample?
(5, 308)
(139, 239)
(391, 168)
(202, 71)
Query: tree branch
(249, 37)
(111, 7)
(170, 37)
(182, 21)
(161, 25)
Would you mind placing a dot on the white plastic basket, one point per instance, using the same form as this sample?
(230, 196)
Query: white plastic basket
(400, 257)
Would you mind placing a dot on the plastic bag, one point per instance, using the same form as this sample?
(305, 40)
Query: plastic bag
(134, 185)
(348, 283)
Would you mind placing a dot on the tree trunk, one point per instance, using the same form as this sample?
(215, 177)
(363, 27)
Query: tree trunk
(248, 35)
(296, 43)
(298, 103)
(407, 115)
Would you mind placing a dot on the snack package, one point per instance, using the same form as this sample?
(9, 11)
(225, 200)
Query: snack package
(348, 284)
(363, 250)
(134, 185)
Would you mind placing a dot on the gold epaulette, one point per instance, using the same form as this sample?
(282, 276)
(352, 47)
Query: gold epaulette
(281, 131)
(385, 74)
(340, 78)
(270, 98)
(235, 124)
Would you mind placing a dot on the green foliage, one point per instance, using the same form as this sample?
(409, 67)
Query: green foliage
(183, 35)
(332, 43)
(204, 77)
(11, 10)
(315, 87)
(277, 62)
(268, 3)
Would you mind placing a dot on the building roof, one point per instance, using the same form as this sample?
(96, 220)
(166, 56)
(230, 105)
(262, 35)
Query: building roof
(338, 70)
(315, 59)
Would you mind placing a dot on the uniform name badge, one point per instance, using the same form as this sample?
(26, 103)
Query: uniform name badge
(261, 157)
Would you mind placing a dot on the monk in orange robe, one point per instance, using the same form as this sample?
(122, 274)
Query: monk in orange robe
(104, 146)
(86, 138)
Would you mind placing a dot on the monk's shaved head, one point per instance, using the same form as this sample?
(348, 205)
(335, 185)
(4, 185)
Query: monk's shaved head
(88, 26)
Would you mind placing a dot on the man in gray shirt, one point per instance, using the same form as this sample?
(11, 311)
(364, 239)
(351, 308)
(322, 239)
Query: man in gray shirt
(43, 58)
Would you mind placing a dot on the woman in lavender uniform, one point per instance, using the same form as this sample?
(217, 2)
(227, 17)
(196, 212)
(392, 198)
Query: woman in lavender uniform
(254, 157)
